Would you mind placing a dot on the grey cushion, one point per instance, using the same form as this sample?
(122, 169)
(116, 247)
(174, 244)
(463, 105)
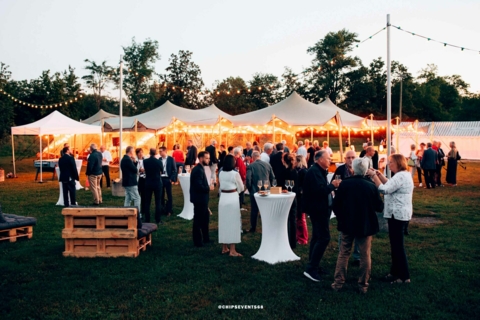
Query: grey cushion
(14, 221)
(146, 229)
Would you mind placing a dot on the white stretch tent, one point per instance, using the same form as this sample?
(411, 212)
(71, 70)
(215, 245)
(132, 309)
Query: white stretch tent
(54, 123)
(465, 134)
(99, 116)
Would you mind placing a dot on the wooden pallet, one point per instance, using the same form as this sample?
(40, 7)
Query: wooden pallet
(102, 232)
(14, 233)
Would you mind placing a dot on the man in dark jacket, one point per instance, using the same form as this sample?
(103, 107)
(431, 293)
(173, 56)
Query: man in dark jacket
(128, 165)
(356, 202)
(258, 170)
(199, 196)
(94, 173)
(440, 164)
(153, 184)
(169, 175)
(191, 156)
(317, 200)
(68, 175)
(429, 165)
(277, 165)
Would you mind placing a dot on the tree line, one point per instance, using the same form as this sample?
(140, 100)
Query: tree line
(334, 72)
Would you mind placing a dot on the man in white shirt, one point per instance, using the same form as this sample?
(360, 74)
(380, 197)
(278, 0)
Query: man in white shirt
(267, 151)
(302, 151)
(327, 148)
(106, 159)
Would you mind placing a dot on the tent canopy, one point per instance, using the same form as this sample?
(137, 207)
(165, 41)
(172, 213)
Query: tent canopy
(294, 110)
(348, 119)
(55, 123)
(100, 115)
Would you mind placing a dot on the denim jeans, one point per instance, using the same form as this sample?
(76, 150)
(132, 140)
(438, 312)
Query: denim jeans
(131, 194)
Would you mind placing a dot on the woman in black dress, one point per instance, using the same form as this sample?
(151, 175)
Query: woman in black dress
(291, 174)
(453, 157)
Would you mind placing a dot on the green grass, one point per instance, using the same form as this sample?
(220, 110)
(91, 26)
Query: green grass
(174, 280)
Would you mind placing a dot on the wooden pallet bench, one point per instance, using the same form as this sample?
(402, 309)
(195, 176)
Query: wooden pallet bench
(16, 227)
(104, 232)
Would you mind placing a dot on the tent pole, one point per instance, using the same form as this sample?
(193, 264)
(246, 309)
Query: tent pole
(273, 119)
(174, 131)
(13, 156)
(397, 134)
(41, 158)
(371, 129)
(48, 146)
(349, 143)
(389, 98)
(340, 136)
(120, 115)
(101, 140)
(431, 131)
(416, 133)
(311, 135)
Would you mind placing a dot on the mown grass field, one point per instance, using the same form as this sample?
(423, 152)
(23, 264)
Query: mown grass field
(174, 280)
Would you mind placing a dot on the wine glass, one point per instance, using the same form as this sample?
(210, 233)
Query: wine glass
(274, 182)
(187, 169)
(292, 183)
(266, 183)
(259, 185)
(287, 184)
(338, 177)
(180, 170)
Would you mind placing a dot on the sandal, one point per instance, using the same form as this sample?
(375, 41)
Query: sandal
(400, 281)
(236, 254)
(225, 251)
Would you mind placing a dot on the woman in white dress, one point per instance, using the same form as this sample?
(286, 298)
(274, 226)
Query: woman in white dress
(229, 217)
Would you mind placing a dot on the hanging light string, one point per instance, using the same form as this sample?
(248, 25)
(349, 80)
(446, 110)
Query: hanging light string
(373, 35)
(41, 106)
(445, 44)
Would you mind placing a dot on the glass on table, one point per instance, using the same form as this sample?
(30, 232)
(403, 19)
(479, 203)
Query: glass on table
(266, 184)
(274, 182)
(187, 169)
(259, 184)
(180, 170)
(292, 184)
(287, 184)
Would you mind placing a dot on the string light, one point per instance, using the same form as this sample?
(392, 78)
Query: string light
(430, 39)
(34, 106)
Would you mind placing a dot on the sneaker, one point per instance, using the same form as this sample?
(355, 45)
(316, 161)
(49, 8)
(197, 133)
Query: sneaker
(420, 185)
(312, 275)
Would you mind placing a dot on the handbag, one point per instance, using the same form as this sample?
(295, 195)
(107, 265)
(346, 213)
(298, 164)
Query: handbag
(410, 162)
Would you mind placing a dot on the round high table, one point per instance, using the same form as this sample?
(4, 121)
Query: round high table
(275, 247)
(187, 212)
(78, 186)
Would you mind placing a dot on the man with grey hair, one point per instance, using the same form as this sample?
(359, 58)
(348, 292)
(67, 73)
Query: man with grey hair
(317, 199)
(302, 151)
(267, 151)
(94, 173)
(257, 170)
(356, 202)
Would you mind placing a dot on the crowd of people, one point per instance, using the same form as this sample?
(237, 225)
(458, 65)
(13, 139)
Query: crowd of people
(353, 193)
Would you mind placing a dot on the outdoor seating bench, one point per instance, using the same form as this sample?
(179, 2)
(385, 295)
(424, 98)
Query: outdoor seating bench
(16, 226)
(105, 232)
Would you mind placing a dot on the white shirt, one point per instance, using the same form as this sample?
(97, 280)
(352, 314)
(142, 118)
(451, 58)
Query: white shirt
(398, 193)
(106, 155)
(302, 151)
(164, 161)
(230, 180)
(265, 157)
(329, 150)
(208, 174)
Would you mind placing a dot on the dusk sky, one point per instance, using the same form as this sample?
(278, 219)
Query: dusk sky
(235, 38)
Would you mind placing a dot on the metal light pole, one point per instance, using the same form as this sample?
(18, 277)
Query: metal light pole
(121, 115)
(389, 97)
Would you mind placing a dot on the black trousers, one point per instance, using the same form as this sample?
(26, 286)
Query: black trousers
(148, 191)
(69, 188)
(430, 178)
(241, 198)
(320, 238)
(438, 175)
(292, 224)
(419, 173)
(141, 192)
(253, 212)
(399, 268)
(106, 173)
(167, 189)
(201, 218)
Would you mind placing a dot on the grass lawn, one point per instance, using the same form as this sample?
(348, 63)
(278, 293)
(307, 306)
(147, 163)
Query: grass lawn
(174, 280)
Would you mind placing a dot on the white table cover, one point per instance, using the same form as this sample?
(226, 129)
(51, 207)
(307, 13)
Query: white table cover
(275, 247)
(78, 186)
(187, 212)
